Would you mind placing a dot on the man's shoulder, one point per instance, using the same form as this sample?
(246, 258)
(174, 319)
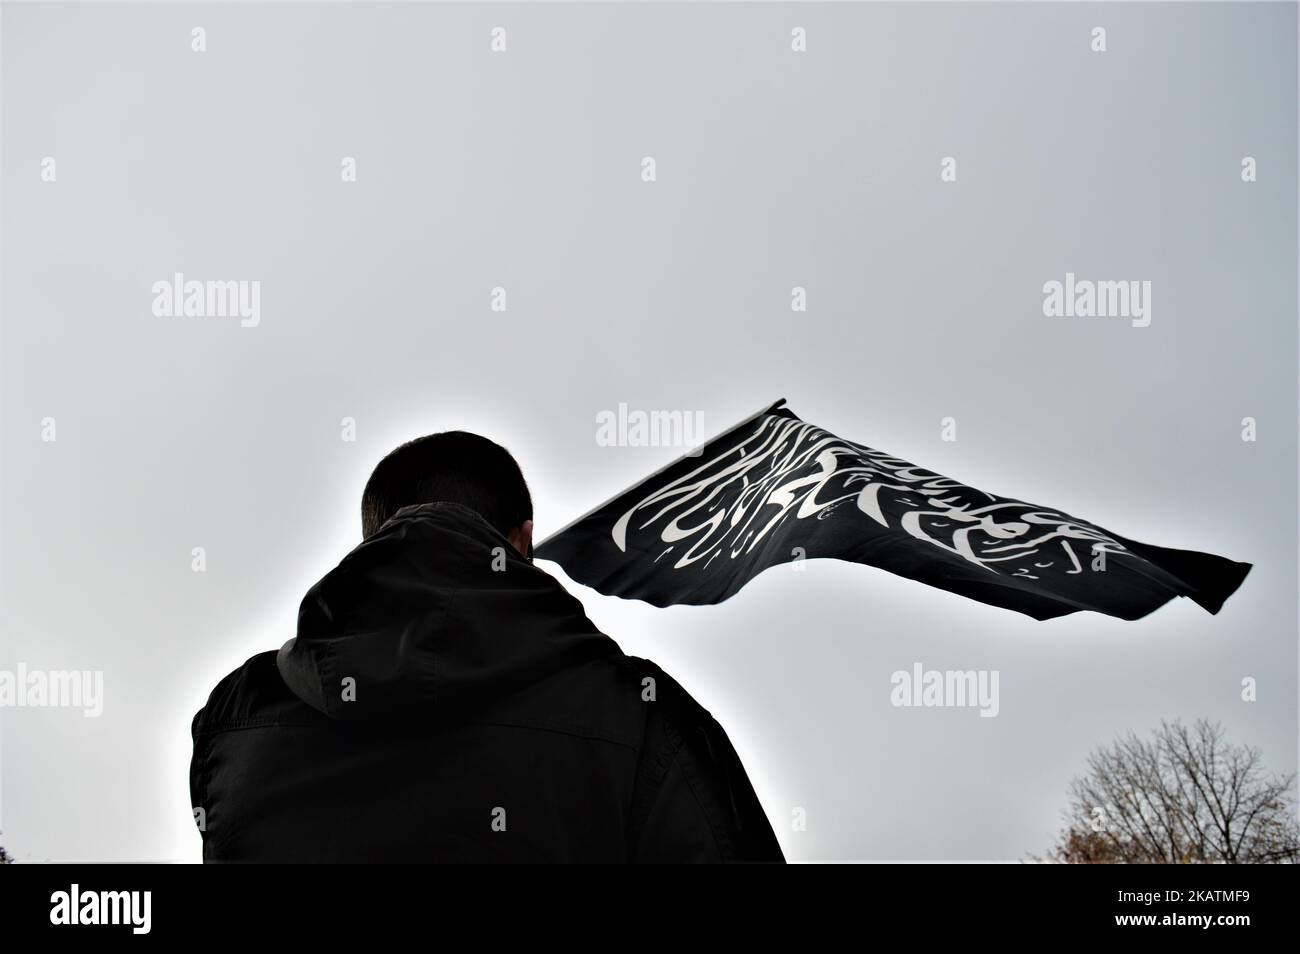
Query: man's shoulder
(674, 701)
(673, 721)
(611, 696)
(253, 694)
(616, 697)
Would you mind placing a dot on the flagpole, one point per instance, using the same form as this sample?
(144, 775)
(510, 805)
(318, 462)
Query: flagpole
(761, 411)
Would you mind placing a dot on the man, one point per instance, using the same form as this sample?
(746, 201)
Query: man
(446, 700)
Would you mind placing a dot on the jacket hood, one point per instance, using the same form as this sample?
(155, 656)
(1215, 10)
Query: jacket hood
(437, 609)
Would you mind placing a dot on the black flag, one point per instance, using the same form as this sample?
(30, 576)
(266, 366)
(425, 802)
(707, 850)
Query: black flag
(776, 489)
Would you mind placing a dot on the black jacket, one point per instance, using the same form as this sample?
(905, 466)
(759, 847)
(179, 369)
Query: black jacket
(446, 700)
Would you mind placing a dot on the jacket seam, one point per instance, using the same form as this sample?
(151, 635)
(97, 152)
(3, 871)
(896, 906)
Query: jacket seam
(572, 731)
(722, 844)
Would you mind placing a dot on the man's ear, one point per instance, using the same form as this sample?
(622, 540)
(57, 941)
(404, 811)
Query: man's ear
(521, 538)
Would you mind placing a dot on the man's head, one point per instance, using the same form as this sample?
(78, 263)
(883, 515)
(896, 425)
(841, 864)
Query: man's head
(454, 466)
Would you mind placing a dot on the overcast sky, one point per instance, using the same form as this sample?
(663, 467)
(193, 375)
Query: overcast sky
(524, 170)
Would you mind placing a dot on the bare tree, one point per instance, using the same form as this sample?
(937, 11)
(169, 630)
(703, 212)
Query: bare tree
(1181, 796)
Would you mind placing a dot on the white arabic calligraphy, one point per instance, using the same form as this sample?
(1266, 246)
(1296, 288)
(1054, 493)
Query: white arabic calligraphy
(725, 505)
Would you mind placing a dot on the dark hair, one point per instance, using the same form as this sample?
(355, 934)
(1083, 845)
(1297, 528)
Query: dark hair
(455, 466)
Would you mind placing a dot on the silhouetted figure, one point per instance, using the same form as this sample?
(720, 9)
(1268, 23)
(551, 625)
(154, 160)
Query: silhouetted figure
(446, 700)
